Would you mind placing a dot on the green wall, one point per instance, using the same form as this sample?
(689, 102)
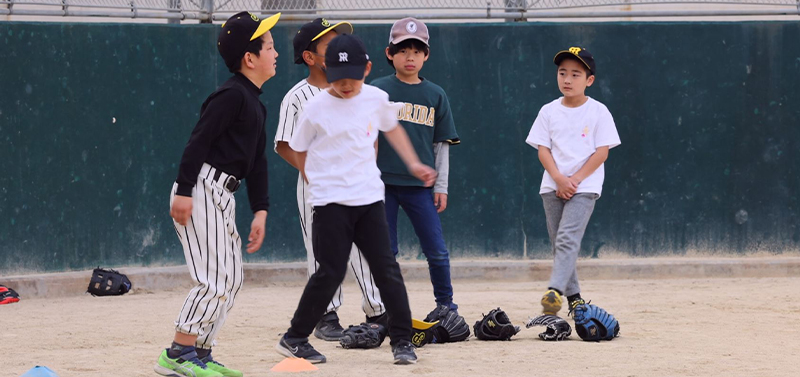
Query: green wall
(93, 120)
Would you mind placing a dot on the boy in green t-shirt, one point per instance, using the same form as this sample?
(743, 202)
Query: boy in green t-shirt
(427, 119)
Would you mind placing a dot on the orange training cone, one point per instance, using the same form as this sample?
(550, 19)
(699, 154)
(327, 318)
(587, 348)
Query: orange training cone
(294, 365)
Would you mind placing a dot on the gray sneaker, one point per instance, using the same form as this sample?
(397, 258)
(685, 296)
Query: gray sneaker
(300, 350)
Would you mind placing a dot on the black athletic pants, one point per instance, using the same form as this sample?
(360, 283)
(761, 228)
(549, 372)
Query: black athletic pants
(335, 228)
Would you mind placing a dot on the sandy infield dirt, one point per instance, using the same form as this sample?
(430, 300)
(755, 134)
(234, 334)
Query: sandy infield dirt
(678, 327)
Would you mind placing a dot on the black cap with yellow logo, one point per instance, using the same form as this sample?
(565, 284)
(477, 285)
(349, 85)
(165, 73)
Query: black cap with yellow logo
(311, 31)
(578, 53)
(238, 31)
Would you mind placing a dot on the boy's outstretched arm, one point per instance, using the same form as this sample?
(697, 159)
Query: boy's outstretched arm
(398, 139)
(565, 187)
(595, 160)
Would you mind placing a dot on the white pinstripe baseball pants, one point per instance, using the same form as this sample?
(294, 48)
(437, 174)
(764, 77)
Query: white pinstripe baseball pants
(213, 251)
(371, 298)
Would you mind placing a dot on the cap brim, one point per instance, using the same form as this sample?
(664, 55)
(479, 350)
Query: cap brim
(561, 55)
(265, 25)
(407, 37)
(355, 72)
(340, 28)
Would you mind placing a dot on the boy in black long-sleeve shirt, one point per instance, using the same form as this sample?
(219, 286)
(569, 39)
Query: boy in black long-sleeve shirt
(226, 146)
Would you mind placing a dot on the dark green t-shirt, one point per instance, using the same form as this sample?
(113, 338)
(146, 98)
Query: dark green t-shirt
(426, 118)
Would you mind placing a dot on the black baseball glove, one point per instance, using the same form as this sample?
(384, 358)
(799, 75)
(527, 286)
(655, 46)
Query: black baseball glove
(452, 327)
(108, 283)
(495, 326)
(365, 335)
(557, 327)
(423, 332)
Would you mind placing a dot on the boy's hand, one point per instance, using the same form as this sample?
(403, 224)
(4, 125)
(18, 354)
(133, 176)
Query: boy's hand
(440, 201)
(181, 209)
(563, 195)
(423, 172)
(257, 231)
(571, 188)
(565, 185)
(575, 182)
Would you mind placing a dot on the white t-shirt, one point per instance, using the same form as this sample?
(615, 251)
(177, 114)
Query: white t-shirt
(573, 134)
(339, 136)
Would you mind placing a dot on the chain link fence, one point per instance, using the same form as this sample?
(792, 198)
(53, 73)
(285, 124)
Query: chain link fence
(377, 10)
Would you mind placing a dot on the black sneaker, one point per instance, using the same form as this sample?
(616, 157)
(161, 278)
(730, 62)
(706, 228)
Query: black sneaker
(329, 328)
(301, 350)
(404, 353)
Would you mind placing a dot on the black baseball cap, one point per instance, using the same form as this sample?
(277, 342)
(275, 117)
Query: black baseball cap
(346, 58)
(311, 31)
(579, 53)
(238, 31)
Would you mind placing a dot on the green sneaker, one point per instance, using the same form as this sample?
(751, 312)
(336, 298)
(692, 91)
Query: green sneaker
(219, 368)
(189, 367)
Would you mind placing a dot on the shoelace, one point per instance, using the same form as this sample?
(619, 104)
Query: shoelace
(192, 358)
(208, 360)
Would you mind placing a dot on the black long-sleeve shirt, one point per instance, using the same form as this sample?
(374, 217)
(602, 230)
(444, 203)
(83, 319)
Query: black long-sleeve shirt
(230, 136)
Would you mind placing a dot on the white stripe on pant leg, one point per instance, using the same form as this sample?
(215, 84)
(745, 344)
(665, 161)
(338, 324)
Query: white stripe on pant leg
(204, 308)
(200, 229)
(189, 251)
(209, 304)
(306, 223)
(371, 297)
(233, 269)
(211, 326)
(212, 262)
(194, 260)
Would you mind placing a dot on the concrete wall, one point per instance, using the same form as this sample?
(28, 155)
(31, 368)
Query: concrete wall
(93, 119)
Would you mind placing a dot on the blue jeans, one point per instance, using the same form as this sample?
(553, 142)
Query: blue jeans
(417, 203)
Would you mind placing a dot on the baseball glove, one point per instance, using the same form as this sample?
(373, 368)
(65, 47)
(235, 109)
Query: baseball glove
(592, 323)
(423, 332)
(8, 295)
(495, 326)
(452, 327)
(365, 335)
(108, 283)
(557, 327)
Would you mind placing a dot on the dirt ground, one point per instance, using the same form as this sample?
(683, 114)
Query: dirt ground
(680, 327)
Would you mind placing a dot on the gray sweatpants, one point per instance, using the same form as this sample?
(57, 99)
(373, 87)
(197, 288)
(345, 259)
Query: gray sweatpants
(566, 223)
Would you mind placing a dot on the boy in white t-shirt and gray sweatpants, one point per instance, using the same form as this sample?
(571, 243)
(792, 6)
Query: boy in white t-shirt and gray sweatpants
(573, 135)
(336, 139)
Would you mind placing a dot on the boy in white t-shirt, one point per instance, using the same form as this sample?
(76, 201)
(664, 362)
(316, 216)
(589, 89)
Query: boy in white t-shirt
(310, 44)
(573, 135)
(336, 138)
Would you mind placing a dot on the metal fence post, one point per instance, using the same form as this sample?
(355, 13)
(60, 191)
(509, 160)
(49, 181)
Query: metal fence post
(208, 9)
(174, 6)
(10, 7)
(513, 6)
